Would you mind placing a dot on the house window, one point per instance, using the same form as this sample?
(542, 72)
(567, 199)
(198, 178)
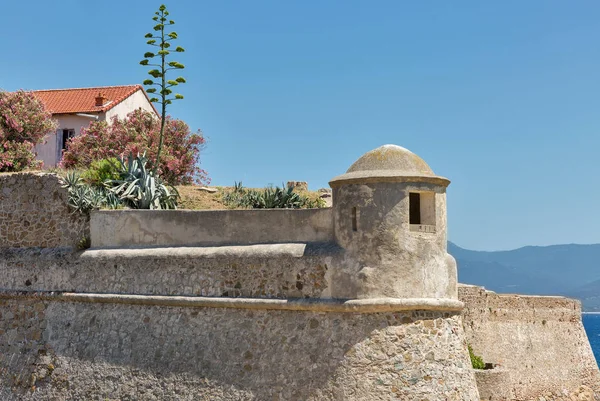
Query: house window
(354, 221)
(66, 135)
(422, 211)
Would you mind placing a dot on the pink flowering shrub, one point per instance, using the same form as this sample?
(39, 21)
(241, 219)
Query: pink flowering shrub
(138, 133)
(23, 124)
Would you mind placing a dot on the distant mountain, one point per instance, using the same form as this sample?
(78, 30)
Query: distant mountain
(571, 270)
(589, 294)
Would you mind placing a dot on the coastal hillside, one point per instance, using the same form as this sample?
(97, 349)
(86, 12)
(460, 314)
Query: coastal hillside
(571, 270)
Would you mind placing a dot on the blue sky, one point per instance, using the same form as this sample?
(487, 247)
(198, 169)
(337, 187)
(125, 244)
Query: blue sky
(500, 97)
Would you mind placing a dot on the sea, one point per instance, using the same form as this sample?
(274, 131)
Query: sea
(591, 322)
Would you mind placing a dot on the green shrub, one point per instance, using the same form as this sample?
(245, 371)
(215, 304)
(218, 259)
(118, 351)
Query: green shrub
(476, 361)
(316, 203)
(102, 170)
(84, 243)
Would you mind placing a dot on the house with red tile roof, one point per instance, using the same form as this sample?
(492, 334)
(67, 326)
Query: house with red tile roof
(75, 108)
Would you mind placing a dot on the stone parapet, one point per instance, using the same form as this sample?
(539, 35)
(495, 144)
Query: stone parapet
(34, 213)
(257, 271)
(170, 228)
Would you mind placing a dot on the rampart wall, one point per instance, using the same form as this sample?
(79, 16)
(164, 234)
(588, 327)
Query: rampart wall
(538, 342)
(34, 213)
(269, 271)
(56, 349)
(163, 308)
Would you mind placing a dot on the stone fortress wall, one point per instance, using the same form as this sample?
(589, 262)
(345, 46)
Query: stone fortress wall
(34, 212)
(538, 343)
(116, 350)
(280, 304)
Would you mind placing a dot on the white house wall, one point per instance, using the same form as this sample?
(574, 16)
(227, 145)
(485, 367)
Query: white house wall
(133, 102)
(48, 152)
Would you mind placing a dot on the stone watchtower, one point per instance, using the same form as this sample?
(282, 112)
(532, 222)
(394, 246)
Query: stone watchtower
(390, 216)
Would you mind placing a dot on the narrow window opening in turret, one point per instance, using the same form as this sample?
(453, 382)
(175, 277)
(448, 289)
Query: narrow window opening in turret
(415, 207)
(354, 222)
(422, 211)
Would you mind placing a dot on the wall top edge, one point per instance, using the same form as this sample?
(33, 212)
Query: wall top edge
(295, 250)
(374, 305)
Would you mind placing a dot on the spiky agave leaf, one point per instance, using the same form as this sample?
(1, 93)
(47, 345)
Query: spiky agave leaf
(138, 188)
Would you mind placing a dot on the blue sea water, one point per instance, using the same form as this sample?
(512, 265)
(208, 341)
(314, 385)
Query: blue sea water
(591, 322)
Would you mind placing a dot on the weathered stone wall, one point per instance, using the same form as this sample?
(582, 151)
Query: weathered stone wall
(21, 345)
(539, 342)
(144, 228)
(65, 350)
(317, 271)
(261, 271)
(34, 213)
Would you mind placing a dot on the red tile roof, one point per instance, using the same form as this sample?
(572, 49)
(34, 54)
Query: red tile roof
(83, 100)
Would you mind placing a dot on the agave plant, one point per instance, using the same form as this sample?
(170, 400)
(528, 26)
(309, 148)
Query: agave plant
(82, 197)
(281, 198)
(71, 180)
(138, 188)
(268, 198)
(109, 199)
(238, 187)
(253, 199)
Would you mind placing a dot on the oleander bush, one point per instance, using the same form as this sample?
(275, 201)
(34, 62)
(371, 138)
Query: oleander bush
(139, 133)
(24, 122)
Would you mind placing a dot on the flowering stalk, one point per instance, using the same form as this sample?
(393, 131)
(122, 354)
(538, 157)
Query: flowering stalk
(164, 85)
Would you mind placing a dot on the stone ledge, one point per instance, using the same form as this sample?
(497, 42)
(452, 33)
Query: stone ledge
(314, 305)
(294, 250)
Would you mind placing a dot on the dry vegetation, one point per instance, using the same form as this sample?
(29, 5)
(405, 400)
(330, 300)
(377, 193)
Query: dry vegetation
(194, 198)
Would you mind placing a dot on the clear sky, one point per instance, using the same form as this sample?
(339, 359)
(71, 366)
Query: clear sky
(501, 97)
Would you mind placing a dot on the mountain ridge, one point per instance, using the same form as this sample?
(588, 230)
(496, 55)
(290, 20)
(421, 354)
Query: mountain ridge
(564, 269)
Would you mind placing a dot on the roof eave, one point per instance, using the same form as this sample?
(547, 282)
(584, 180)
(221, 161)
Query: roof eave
(375, 176)
(138, 87)
(77, 112)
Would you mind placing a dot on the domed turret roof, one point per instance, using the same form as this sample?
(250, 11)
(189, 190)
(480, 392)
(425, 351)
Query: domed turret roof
(389, 163)
(391, 157)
